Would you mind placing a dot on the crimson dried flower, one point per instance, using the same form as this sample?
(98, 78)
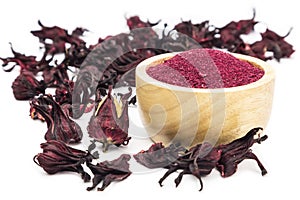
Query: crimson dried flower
(237, 151)
(59, 38)
(135, 22)
(109, 171)
(230, 33)
(274, 43)
(158, 155)
(109, 124)
(60, 126)
(58, 157)
(229, 37)
(55, 76)
(63, 93)
(26, 86)
(198, 161)
(201, 159)
(27, 63)
(199, 32)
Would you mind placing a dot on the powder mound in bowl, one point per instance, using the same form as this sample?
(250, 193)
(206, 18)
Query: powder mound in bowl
(205, 68)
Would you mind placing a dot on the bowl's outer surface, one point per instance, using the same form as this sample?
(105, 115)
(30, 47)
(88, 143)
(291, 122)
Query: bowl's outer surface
(191, 116)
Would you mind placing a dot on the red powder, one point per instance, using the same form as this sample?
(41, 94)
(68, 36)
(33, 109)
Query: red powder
(205, 68)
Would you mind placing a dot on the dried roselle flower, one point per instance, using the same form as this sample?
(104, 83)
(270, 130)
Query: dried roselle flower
(60, 126)
(109, 124)
(201, 159)
(63, 93)
(27, 63)
(58, 157)
(109, 171)
(135, 22)
(55, 76)
(26, 86)
(198, 161)
(276, 44)
(229, 35)
(199, 32)
(158, 155)
(75, 55)
(59, 37)
(242, 26)
(237, 151)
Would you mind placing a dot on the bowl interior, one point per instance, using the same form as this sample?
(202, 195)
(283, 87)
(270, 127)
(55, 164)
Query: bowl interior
(193, 115)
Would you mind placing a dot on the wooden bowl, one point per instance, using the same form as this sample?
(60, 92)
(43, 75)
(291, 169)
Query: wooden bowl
(190, 115)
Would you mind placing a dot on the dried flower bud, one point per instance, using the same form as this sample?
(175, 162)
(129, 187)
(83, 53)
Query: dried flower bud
(60, 126)
(58, 157)
(26, 86)
(109, 125)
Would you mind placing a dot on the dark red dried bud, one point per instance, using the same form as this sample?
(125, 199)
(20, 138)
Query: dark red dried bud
(109, 124)
(109, 171)
(58, 157)
(237, 151)
(158, 156)
(26, 86)
(60, 126)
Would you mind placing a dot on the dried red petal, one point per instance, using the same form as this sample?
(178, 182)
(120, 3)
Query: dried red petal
(58, 157)
(27, 63)
(109, 171)
(135, 22)
(60, 126)
(26, 86)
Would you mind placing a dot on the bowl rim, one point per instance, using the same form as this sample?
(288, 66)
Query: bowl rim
(268, 76)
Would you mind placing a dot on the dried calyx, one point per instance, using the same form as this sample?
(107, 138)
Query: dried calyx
(110, 122)
(201, 159)
(60, 126)
(59, 157)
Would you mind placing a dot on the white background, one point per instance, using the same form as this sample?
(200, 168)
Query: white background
(21, 136)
